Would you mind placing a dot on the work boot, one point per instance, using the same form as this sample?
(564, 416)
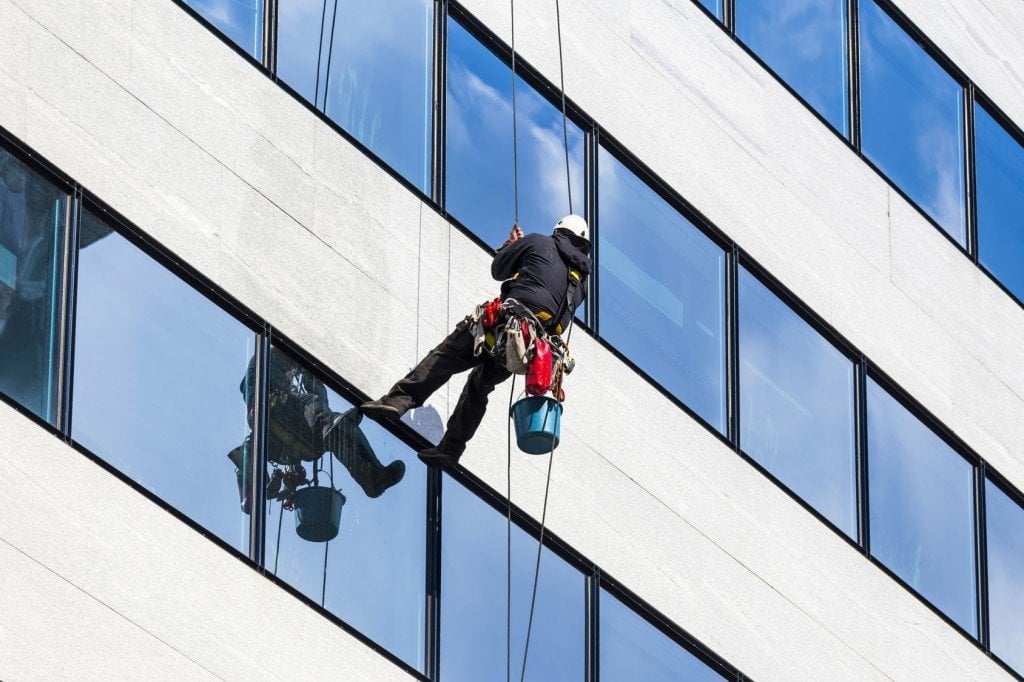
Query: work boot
(353, 450)
(438, 457)
(380, 410)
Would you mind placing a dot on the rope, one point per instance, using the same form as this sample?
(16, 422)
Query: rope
(277, 550)
(330, 54)
(515, 132)
(565, 125)
(320, 56)
(508, 541)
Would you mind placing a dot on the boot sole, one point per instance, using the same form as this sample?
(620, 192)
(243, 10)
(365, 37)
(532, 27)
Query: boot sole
(378, 412)
(440, 459)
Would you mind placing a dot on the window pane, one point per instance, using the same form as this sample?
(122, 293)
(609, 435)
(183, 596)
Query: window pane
(662, 297)
(1005, 535)
(31, 234)
(473, 574)
(804, 41)
(715, 6)
(796, 404)
(156, 380)
(1000, 177)
(367, 64)
(922, 508)
(633, 649)
(479, 146)
(239, 20)
(912, 119)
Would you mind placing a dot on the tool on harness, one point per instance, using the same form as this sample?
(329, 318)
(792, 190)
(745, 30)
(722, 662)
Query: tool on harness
(538, 377)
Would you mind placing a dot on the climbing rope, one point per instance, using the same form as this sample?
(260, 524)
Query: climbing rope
(508, 539)
(330, 53)
(515, 131)
(565, 125)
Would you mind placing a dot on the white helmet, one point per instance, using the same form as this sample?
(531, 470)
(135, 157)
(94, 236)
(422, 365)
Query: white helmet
(573, 224)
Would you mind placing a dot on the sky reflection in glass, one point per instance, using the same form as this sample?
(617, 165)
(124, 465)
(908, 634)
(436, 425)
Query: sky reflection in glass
(1005, 538)
(479, 147)
(239, 20)
(374, 79)
(715, 6)
(473, 572)
(796, 404)
(373, 578)
(31, 234)
(633, 649)
(804, 41)
(912, 119)
(922, 508)
(662, 301)
(1000, 180)
(156, 380)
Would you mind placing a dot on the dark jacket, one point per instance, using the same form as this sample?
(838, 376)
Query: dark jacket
(542, 263)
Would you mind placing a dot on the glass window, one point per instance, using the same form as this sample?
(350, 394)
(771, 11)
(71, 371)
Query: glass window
(714, 6)
(31, 233)
(1005, 539)
(368, 65)
(633, 649)
(1000, 180)
(796, 404)
(922, 508)
(662, 290)
(239, 20)
(156, 380)
(479, 146)
(912, 119)
(370, 574)
(804, 41)
(473, 575)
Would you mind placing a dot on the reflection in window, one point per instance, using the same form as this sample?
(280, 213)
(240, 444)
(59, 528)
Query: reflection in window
(156, 375)
(479, 146)
(796, 404)
(662, 299)
(1000, 182)
(922, 508)
(366, 64)
(714, 6)
(370, 574)
(912, 119)
(633, 649)
(804, 41)
(473, 574)
(31, 234)
(239, 20)
(1005, 539)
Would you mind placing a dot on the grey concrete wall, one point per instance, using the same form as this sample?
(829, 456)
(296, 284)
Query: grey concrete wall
(243, 183)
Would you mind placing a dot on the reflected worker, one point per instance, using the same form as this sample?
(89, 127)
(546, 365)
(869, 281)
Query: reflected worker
(545, 274)
(300, 428)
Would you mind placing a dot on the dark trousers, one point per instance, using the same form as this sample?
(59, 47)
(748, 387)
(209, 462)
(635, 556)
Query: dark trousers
(453, 355)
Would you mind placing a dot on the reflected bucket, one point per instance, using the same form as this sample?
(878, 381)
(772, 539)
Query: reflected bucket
(318, 513)
(538, 421)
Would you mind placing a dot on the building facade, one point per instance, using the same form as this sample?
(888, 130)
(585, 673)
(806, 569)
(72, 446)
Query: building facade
(792, 444)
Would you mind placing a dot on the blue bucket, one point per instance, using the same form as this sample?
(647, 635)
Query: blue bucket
(318, 513)
(538, 420)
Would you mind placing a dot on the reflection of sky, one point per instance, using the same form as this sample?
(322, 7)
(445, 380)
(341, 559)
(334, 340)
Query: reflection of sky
(714, 5)
(1000, 179)
(912, 119)
(662, 291)
(922, 508)
(473, 574)
(632, 649)
(239, 20)
(380, 72)
(1005, 536)
(157, 368)
(796, 404)
(804, 41)
(376, 565)
(479, 146)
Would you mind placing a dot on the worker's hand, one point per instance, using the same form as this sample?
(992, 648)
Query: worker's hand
(515, 234)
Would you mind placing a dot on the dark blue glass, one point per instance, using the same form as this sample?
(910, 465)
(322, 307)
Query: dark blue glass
(804, 41)
(479, 172)
(912, 119)
(633, 649)
(239, 20)
(796, 404)
(922, 508)
(371, 574)
(1005, 539)
(473, 574)
(662, 290)
(31, 233)
(368, 65)
(999, 159)
(159, 371)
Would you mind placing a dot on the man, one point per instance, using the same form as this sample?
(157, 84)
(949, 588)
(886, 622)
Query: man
(547, 275)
